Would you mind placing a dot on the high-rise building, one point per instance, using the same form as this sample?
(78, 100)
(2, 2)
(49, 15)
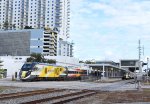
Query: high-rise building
(38, 14)
(18, 14)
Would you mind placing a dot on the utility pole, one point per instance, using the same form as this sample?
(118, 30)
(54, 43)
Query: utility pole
(139, 77)
(140, 49)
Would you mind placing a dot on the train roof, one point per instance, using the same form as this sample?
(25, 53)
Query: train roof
(40, 63)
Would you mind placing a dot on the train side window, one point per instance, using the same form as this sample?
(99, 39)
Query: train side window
(35, 68)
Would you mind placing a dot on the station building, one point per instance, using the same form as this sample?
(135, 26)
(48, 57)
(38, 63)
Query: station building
(106, 69)
(130, 64)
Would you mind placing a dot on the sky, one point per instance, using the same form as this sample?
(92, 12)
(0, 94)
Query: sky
(110, 29)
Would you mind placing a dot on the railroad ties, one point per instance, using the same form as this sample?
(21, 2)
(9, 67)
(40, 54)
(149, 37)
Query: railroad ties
(28, 93)
(59, 99)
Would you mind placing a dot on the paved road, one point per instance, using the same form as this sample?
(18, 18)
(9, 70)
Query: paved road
(121, 85)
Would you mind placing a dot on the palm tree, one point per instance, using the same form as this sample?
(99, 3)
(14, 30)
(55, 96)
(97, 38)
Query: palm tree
(10, 26)
(89, 62)
(51, 61)
(37, 57)
(14, 26)
(0, 25)
(1, 63)
(6, 25)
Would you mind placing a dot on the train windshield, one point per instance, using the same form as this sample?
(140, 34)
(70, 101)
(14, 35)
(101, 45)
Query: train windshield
(27, 67)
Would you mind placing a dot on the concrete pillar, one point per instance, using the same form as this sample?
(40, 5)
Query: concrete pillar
(103, 71)
(112, 72)
(106, 72)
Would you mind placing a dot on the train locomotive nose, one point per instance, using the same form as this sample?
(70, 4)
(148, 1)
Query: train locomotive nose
(23, 74)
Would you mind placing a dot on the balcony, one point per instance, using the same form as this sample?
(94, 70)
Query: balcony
(51, 51)
(51, 43)
(51, 47)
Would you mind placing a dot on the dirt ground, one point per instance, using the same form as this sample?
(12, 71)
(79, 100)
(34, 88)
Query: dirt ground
(117, 97)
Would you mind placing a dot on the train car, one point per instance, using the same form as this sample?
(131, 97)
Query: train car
(127, 75)
(41, 71)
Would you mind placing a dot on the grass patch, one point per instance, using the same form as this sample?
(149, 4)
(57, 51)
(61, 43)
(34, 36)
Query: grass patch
(145, 83)
(146, 90)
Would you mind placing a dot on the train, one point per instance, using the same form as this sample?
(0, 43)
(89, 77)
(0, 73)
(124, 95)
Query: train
(33, 71)
(127, 75)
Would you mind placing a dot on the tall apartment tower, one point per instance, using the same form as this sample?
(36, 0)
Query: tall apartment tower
(38, 14)
(16, 14)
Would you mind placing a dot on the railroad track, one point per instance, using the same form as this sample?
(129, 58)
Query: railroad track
(27, 93)
(63, 98)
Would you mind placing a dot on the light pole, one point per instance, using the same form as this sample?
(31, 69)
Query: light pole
(147, 69)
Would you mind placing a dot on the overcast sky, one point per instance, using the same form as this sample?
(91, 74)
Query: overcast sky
(110, 29)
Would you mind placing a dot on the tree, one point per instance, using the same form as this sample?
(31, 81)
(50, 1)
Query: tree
(37, 57)
(89, 62)
(28, 27)
(0, 25)
(6, 25)
(81, 61)
(1, 70)
(1, 64)
(51, 61)
(14, 26)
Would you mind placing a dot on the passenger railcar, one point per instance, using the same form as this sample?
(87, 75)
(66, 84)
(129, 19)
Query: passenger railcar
(41, 71)
(127, 75)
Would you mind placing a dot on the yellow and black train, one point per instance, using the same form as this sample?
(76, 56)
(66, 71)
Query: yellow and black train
(41, 71)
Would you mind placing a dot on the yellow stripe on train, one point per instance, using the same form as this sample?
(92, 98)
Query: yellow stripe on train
(51, 71)
(23, 74)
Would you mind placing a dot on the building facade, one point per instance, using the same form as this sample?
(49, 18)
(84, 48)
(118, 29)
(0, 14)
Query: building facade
(65, 48)
(16, 14)
(15, 43)
(25, 42)
(50, 43)
(37, 14)
(130, 64)
(106, 69)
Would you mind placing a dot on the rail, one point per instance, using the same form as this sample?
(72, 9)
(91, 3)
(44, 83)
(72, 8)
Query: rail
(66, 97)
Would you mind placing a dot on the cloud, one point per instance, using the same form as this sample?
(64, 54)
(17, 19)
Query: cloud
(109, 28)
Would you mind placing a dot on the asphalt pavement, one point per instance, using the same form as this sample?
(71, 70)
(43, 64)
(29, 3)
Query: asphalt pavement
(115, 86)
